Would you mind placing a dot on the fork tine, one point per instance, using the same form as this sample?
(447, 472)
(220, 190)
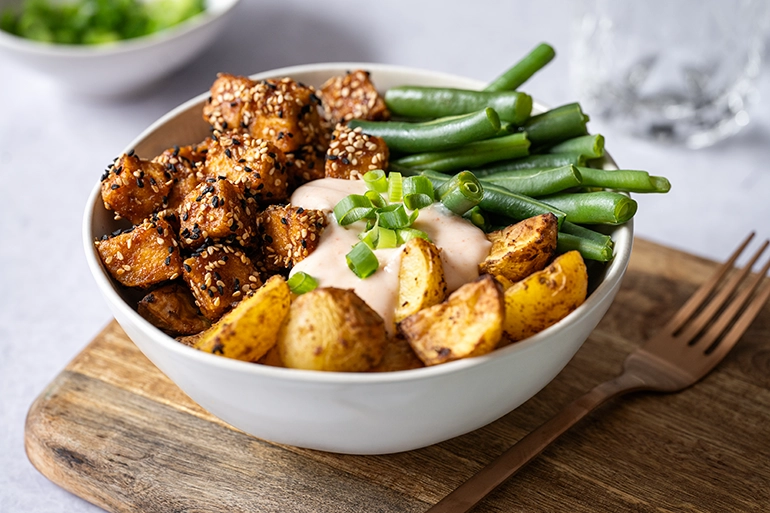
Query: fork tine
(717, 348)
(702, 294)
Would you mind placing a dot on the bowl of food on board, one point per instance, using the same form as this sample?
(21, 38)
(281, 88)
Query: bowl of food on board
(109, 49)
(334, 256)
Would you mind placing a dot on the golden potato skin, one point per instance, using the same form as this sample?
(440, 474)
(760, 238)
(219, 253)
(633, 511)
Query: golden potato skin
(172, 309)
(332, 329)
(522, 248)
(468, 323)
(398, 356)
(545, 297)
(421, 281)
(250, 329)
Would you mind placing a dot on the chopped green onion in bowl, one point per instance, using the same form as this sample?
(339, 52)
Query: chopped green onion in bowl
(91, 22)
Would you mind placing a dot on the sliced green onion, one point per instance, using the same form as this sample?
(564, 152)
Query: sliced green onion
(376, 181)
(394, 187)
(477, 217)
(300, 282)
(353, 208)
(376, 198)
(386, 238)
(406, 234)
(370, 236)
(460, 193)
(394, 217)
(418, 192)
(362, 260)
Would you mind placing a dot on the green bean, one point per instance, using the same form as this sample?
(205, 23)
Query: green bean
(501, 201)
(589, 249)
(624, 180)
(439, 102)
(522, 70)
(544, 161)
(434, 135)
(556, 125)
(586, 233)
(469, 156)
(589, 146)
(537, 182)
(593, 207)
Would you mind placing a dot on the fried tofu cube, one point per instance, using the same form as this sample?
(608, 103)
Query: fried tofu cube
(135, 188)
(142, 256)
(185, 165)
(215, 210)
(230, 97)
(282, 111)
(304, 165)
(352, 153)
(352, 96)
(172, 309)
(288, 235)
(219, 276)
(256, 166)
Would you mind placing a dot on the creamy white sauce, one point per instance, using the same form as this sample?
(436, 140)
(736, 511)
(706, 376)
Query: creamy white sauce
(463, 246)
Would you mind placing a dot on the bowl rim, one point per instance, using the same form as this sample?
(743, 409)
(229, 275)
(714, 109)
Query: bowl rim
(623, 237)
(210, 13)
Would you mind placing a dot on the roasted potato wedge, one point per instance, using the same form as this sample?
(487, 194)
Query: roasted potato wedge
(522, 248)
(545, 297)
(333, 330)
(250, 329)
(398, 356)
(421, 280)
(468, 323)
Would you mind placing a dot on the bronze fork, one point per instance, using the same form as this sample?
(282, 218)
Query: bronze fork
(688, 347)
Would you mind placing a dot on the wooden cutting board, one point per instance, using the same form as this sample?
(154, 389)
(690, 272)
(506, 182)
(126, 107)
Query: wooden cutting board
(115, 431)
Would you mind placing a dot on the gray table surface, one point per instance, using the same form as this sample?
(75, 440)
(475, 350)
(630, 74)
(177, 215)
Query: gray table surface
(53, 148)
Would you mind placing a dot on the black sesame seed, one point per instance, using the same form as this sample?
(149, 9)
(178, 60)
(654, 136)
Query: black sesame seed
(168, 260)
(284, 221)
(114, 186)
(187, 268)
(228, 152)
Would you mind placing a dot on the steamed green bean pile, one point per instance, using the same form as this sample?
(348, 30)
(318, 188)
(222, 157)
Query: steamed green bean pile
(526, 163)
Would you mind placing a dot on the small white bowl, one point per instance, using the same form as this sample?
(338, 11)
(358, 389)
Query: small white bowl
(357, 413)
(123, 67)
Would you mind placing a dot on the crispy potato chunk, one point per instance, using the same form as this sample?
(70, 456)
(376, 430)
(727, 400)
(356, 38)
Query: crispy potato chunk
(288, 235)
(333, 330)
(250, 330)
(219, 276)
(545, 297)
(272, 358)
(256, 166)
(352, 96)
(184, 164)
(142, 256)
(282, 111)
(172, 309)
(522, 248)
(352, 153)
(468, 323)
(135, 188)
(215, 210)
(398, 356)
(421, 281)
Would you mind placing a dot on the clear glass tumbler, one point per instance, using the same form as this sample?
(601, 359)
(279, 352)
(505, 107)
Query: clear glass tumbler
(677, 70)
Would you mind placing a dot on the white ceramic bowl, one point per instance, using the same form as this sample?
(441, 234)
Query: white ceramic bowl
(123, 67)
(359, 413)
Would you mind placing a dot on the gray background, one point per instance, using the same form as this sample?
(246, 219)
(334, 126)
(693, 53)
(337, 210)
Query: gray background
(53, 149)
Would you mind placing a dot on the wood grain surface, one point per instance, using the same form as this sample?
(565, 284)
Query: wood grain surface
(114, 430)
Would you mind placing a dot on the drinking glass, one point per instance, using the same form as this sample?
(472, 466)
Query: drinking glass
(677, 70)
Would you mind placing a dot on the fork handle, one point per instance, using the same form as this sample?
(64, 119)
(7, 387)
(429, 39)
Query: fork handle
(468, 494)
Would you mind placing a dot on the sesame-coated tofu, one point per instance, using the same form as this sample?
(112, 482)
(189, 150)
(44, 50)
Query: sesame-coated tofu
(282, 111)
(215, 211)
(184, 164)
(172, 309)
(142, 256)
(304, 165)
(135, 188)
(352, 96)
(219, 276)
(256, 166)
(352, 153)
(288, 234)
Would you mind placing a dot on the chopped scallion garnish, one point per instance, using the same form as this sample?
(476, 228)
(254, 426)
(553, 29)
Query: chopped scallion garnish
(395, 190)
(418, 192)
(362, 261)
(375, 180)
(353, 208)
(300, 282)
